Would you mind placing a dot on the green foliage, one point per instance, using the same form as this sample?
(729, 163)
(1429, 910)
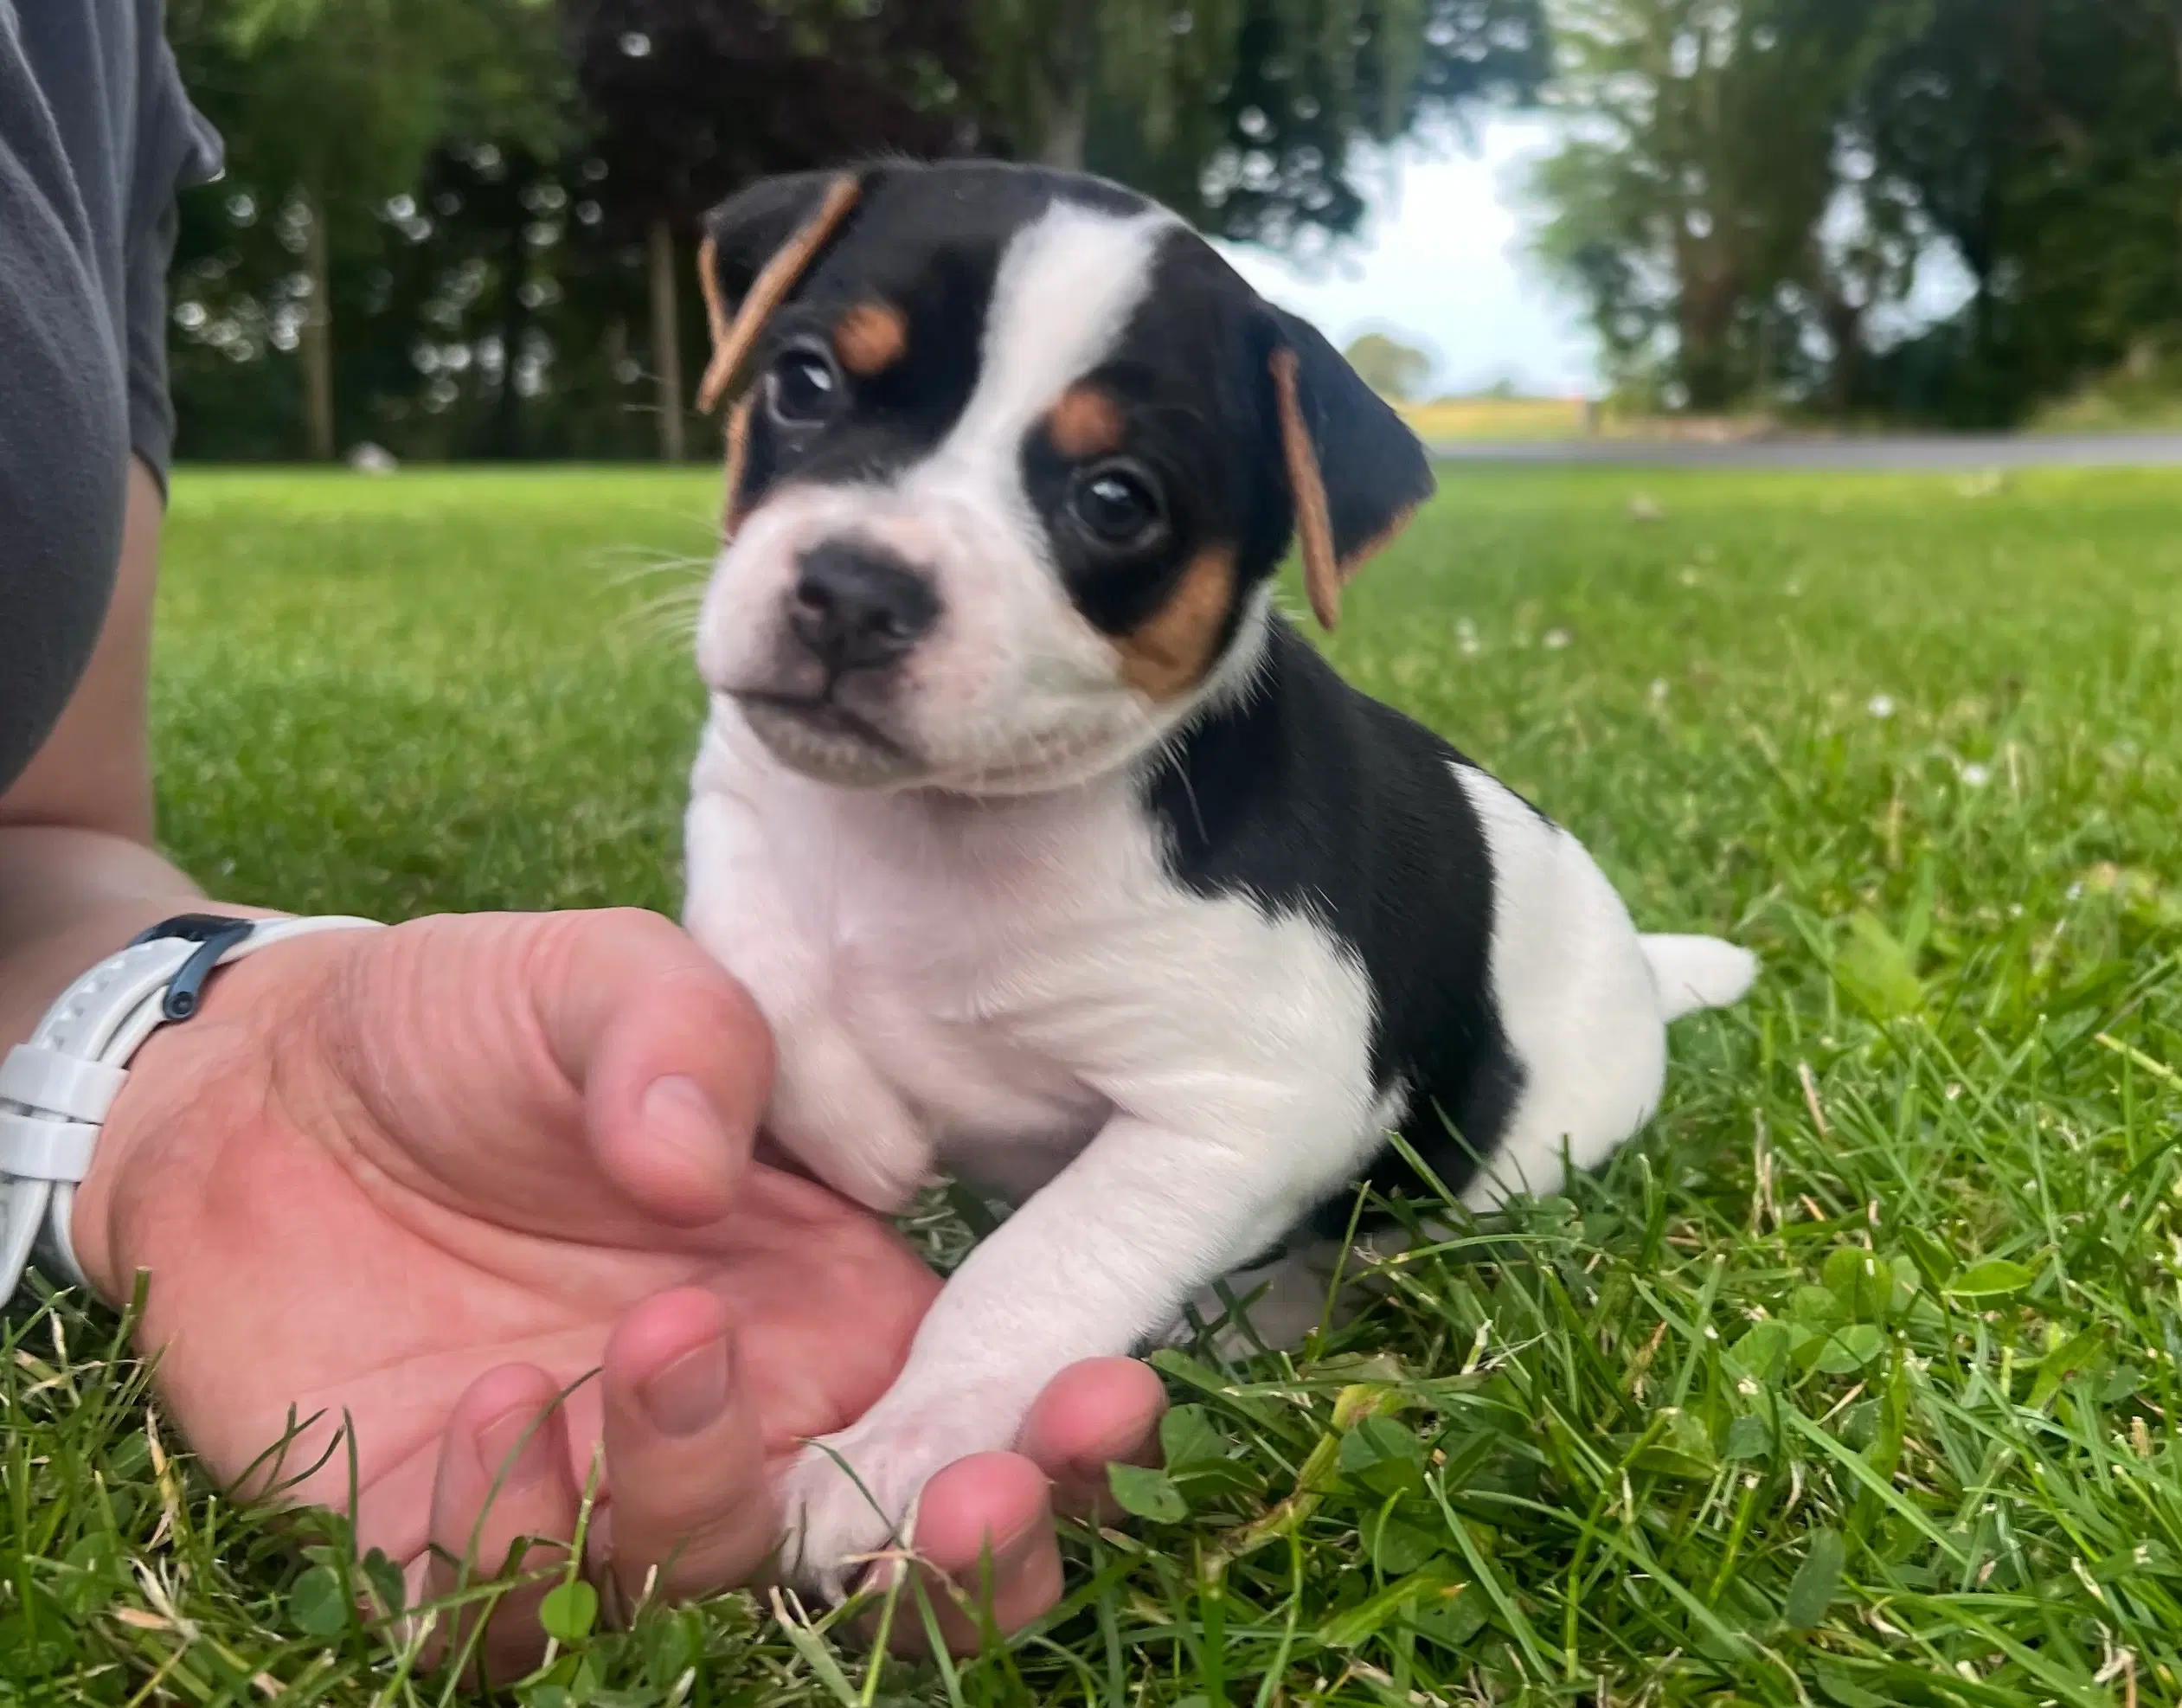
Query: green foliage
(335, 116)
(342, 100)
(2042, 138)
(484, 220)
(1243, 114)
(1246, 115)
(1751, 182)
(1852, 1383)
(1687, 203)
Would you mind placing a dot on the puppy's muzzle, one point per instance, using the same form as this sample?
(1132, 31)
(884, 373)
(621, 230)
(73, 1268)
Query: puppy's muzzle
(857, 607)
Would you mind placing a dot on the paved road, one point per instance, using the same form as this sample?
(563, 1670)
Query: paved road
(1965, 454)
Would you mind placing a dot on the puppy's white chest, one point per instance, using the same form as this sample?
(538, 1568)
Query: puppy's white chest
(932, 1018)
(871, 922)
(994, 981)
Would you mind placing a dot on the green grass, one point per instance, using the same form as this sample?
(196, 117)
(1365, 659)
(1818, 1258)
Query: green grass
(1854, 1383)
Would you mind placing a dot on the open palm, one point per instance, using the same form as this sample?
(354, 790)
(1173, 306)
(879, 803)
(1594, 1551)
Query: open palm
(429, 1178)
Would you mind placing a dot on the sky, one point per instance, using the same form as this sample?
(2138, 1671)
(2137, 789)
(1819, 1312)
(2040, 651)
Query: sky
(1442, 263)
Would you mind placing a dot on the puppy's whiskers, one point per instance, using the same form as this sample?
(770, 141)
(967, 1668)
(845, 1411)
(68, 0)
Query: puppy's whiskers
(669, 617)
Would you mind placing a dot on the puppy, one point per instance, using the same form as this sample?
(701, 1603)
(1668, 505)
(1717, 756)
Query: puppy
(1048, 849)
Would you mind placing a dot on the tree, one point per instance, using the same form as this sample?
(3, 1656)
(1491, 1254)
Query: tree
(1246, 115)
(695, 98)
(1039, 63)
(1689, 204)
(2043, 140)
(1751, 182)
(330, 108)
(1390, 367)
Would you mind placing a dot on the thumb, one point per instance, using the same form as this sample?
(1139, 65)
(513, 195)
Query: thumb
(670, 1055)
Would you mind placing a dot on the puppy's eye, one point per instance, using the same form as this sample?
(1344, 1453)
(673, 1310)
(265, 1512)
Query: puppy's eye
(1116, 505)
(803, 389)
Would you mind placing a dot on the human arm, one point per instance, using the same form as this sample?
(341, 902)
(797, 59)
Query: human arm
(276, 1162)
(431, 1146)
(79, 874)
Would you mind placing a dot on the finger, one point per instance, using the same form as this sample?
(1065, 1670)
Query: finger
(673, 1059)
(505, 1501)
(1103, 1412)
(692, 1510)
(985, 1547)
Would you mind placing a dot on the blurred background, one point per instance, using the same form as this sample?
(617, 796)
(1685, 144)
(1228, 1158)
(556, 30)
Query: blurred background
(464, 229)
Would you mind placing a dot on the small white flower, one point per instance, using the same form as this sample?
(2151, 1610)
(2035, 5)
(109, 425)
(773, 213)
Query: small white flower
(1688, 577)
(1466, 638)
(1795, 589)
(1881, 705)
(1556, 639)
(1659, 690)
(1976, 776)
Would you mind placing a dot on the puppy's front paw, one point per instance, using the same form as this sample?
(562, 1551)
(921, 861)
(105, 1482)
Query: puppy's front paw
(852, 1495)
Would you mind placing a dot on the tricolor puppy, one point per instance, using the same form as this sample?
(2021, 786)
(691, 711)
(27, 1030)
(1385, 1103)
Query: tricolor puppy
(1048, 849)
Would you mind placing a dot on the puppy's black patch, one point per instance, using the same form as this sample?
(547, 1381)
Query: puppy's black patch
(926, 241)
(1185, 379)
(1307, 797)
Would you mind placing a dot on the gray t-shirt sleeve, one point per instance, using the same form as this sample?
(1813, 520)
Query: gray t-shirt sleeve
(175, 147)
(95, 137)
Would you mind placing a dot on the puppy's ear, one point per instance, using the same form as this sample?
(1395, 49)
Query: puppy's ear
(1356, 472)
(757, 245)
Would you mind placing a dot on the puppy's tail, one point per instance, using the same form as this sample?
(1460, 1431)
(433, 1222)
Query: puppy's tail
(1698, 973)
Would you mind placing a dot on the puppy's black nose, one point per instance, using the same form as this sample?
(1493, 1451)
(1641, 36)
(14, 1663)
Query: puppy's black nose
(857, 607)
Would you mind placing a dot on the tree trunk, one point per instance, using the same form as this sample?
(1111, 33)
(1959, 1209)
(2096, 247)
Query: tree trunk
(1061, 83)
(1844, 375)
(1063, 120)
(506, 436)
(317, 338)
(666, 342)
(1709, 293)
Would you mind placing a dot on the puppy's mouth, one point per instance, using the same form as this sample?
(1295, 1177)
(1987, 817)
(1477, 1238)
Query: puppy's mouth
(822, 714)
(817, 735)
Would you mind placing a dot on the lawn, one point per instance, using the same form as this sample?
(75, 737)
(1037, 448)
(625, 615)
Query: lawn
(1854, 1383)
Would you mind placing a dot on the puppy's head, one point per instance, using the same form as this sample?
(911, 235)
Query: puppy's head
(1012, 458)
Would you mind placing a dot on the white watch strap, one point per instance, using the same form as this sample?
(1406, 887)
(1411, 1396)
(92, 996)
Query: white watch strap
(55, 1090)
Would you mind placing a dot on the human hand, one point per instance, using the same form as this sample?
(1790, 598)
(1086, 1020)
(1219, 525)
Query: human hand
(430, 1178)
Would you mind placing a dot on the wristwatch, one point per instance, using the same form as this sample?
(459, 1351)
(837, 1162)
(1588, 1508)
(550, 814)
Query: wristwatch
(55, 1090)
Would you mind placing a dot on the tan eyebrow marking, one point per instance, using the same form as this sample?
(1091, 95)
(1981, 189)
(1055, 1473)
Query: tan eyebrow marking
(1086, 423)
(871, 338)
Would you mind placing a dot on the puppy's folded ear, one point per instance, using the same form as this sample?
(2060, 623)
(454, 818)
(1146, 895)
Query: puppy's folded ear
(1356, 472)
(757, 245)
